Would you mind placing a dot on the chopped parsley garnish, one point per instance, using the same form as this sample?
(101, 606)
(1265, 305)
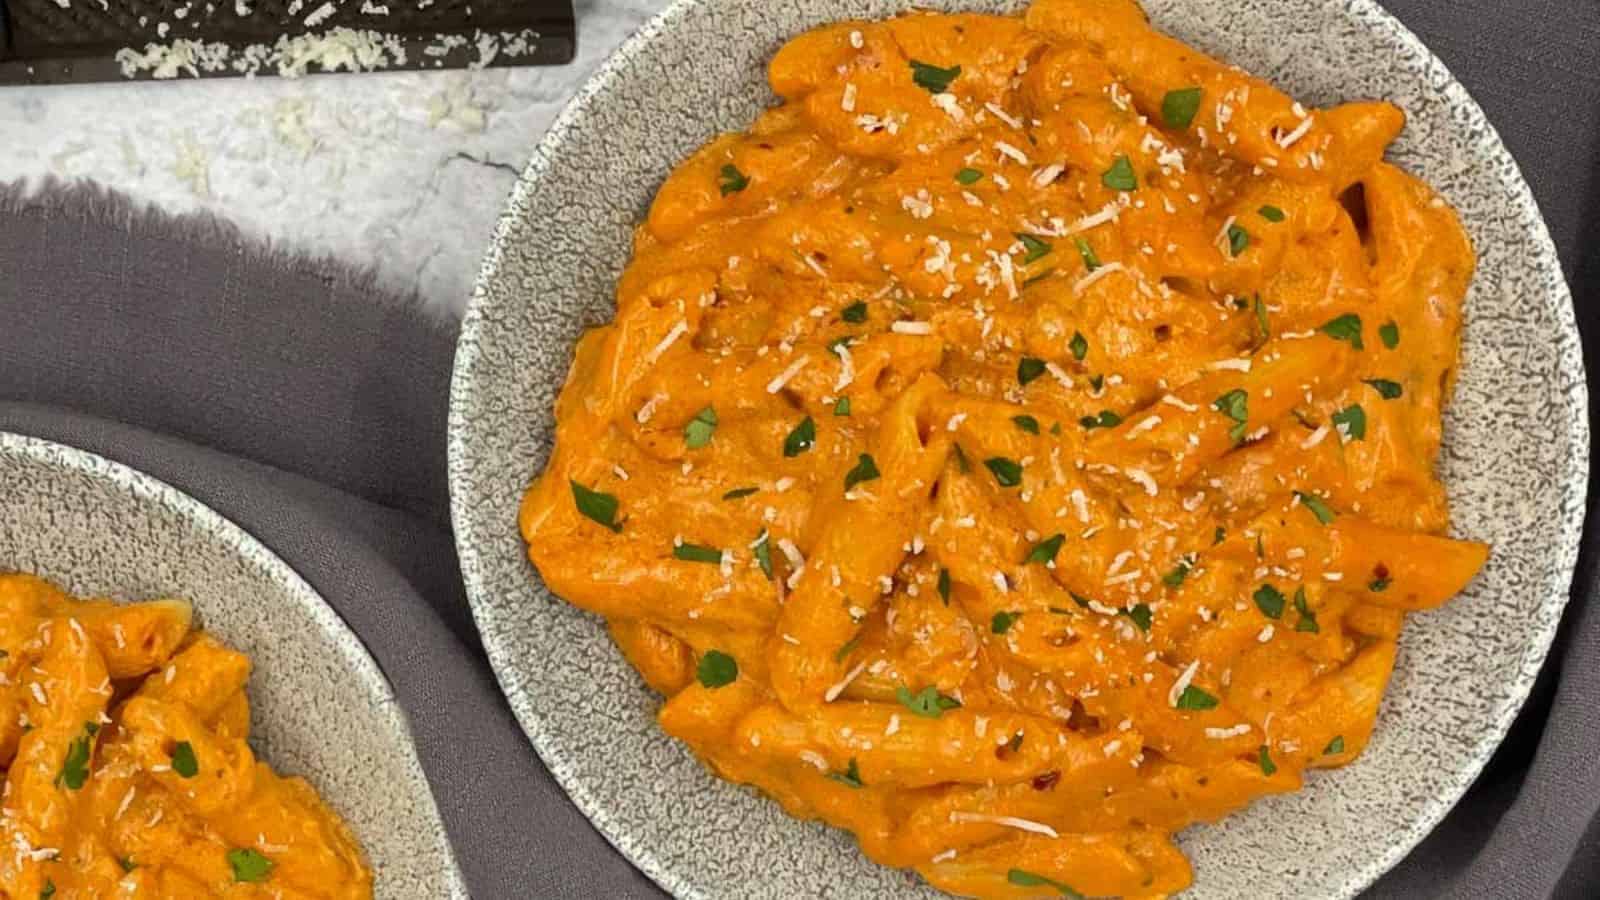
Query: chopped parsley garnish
(1389, 333)
(1045, 551)
(763, 553)
(600, 507)
(865, 470)
(1196, 699)
(698, 432)
(1388, 390)
(1262, 326)
(1334, 746)
(836, 343)
(1090, 260)
(1317, 506)
(75, 767)
(1271, 213)
(697, 553)
(1177, 575)
(127, 863)
(1380, 584)
(249, 867)
(1120, 176)
(731, 180)
(927, 703)
(1235, 404)
(841, 407)
(740, 493)
(847, 648)
(1263, 759)
(1219, 535)
(1270, 601)
(801, 438)
(716, 669)
(184, 761)
(944, 586)
(1026, 423)
(1238, 240)
(49, 889)
(1308, 619)
(1079, 346)
(855, 313)
(1002, 621)
(1354, 420)
(1179, 107)
(1029, 368)
(1140, 614)
(969, 176)
(850, 777)
(1345, 328)
(1008, 472)
(932, 78)
(1036, 247)
(1106, 419)
(1024, 878)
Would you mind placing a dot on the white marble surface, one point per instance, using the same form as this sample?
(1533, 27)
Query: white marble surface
(404, 173)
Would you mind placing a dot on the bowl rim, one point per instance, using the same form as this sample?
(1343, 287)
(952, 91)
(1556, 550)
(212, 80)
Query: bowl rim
(358, 660)
(1378, 24)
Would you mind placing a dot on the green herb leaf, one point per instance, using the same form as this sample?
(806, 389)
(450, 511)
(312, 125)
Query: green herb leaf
(716, 669)
(1179, 107)
(969, 176)
(1008, 472)
(127, 863)
(1002, 621)
(740, 493)
(1037, 248)
(1270, 601)
(855, 313)
(1263, 759)
(1023, 878)
(75, 767)
(801, 438)
(850, 777)
(1389, 333)
(927, 703)
(1026, 423)
(1196, 699)
(1235, 404)
(1029, 368)
(600, 507)
(1263, 331)
(1317, 506)
(932, 78)
(1106, 419)
(1308, 619)
(1079, 346)
(698, 432)
(1354, 420)
(1045, 551)
(1238, 239)
(697, 553)
(1334, 746)
(1097, 382)
(1388, 390)
(1120, 176)
(49, 889)
(1219, 535)
(249, 867)
(1176, 576)
(1271, 213)
(1380, 584)
(763, 553)
(1345, 328)
(1140, 614)
(184, 761)
(731, 180)
(1090, 260)
(865, 470)
(841, 407)
(961, 458)
(944, 586)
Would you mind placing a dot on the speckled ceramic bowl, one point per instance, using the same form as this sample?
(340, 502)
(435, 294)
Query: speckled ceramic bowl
(1463, 671)
(320, 708)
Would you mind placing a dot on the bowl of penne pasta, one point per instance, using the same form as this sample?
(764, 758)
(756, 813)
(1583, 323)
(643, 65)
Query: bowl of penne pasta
(182, 715)
(1016, 449)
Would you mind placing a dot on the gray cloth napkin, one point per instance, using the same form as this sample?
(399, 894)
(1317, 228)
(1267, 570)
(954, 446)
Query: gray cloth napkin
(296, 400)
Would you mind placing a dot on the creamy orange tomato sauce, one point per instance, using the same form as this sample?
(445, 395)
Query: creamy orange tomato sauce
(1018, 446)
(126, 769)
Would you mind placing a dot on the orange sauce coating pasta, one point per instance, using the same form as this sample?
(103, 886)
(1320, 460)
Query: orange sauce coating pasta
(1019, 445)
(126, 769)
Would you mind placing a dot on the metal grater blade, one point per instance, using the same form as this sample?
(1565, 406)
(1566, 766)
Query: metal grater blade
(73, 41)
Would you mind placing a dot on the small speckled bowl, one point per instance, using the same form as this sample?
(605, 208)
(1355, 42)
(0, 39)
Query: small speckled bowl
(320, 708)
(1463, 671)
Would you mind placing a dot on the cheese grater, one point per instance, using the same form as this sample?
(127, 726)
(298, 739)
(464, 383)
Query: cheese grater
(72, 41)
